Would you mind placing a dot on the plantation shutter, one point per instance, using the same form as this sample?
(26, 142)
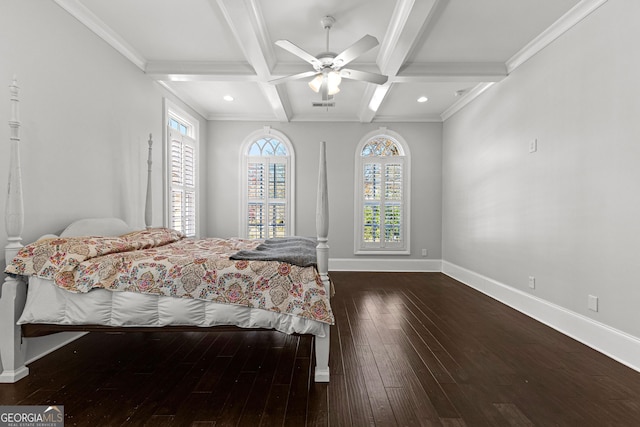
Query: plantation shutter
(267, 197)
(382, 202)
(183, 183)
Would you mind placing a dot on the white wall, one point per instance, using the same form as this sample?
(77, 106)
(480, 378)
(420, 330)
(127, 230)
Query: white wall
(86, 115)
(568, 214)
(424, 140)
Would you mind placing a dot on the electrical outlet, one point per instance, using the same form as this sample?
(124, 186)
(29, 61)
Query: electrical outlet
(592, 303)
(532, 282)
(533, 145)
(424, 252)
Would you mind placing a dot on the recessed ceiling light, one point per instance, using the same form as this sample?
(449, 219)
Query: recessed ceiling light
(423, 99)
(228, 98)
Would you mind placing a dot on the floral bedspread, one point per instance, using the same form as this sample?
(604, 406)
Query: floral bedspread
(161, 261)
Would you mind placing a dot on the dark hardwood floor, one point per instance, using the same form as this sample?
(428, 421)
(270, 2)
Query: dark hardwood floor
(407, 349)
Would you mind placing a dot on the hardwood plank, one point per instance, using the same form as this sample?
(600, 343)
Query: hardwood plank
(358, 401)
(274, 411)
(318, 404)
(284, 370)
(257, 398)
(403, 407)
(338, 402)
(296, 413)
(513, 415)
(380, 406)
(236, 400)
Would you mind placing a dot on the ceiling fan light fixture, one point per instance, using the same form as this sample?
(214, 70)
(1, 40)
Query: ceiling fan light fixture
(333, 82)
(315, 83)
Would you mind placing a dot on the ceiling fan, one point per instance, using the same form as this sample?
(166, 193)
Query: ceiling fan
(327, 66)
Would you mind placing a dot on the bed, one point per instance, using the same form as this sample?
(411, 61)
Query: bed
(101, 275)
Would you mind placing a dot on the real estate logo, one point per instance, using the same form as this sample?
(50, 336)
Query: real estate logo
(32, 416)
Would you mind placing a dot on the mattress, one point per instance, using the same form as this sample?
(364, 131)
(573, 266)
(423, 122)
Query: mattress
(49, 304)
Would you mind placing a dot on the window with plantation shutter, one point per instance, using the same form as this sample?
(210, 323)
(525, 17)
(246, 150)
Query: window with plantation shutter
(267, 200)
(382, 197)
(182, 168)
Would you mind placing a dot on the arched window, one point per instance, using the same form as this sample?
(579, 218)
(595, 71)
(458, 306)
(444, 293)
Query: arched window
(267, 185)
(382, 194)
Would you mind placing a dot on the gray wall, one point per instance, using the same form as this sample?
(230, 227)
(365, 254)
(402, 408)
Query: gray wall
(568, 214)
(86, 115)
(424, 140)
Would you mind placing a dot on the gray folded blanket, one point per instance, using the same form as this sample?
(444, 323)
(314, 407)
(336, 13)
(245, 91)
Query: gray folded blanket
(299, 251)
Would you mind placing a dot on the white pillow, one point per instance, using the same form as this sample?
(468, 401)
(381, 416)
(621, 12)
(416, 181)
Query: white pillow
(96, 227)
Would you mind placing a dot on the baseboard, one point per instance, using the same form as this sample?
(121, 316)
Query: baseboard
(39, 347)
(614, 343)
(386, 264)
(13, 376)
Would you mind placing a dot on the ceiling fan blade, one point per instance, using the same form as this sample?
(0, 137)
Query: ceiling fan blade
(294, 77)
(299, 52)
(352, 52)
(365, 76)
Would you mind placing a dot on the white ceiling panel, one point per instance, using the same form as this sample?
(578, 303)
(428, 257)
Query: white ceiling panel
(184, 30)
(248, 99)
(488, 30)
(401, 103)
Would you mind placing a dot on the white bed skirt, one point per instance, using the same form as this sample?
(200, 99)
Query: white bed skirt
(47, 303)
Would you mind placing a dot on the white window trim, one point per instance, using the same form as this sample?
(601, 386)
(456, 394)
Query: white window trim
(291, 165)
(359, 246)
(172, 109)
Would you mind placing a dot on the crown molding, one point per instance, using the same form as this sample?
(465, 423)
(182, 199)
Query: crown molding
(187, 101)
(79, 11)
(465, 99)
(558, 28)
(241, 118)
(427, 118)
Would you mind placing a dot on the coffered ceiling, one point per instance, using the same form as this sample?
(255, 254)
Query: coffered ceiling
(446, 50)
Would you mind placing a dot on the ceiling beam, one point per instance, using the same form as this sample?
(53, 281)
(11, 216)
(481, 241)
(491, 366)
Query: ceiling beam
(247, 25)
(451, 72)
(244, 72)
(201, 71)
(409, 21)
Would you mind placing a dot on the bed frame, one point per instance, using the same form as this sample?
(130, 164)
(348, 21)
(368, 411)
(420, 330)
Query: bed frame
(16, 350)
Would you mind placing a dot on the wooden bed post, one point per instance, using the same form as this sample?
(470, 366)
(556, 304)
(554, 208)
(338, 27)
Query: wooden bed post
(13, 292)
(322, 252)
(148, 208)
